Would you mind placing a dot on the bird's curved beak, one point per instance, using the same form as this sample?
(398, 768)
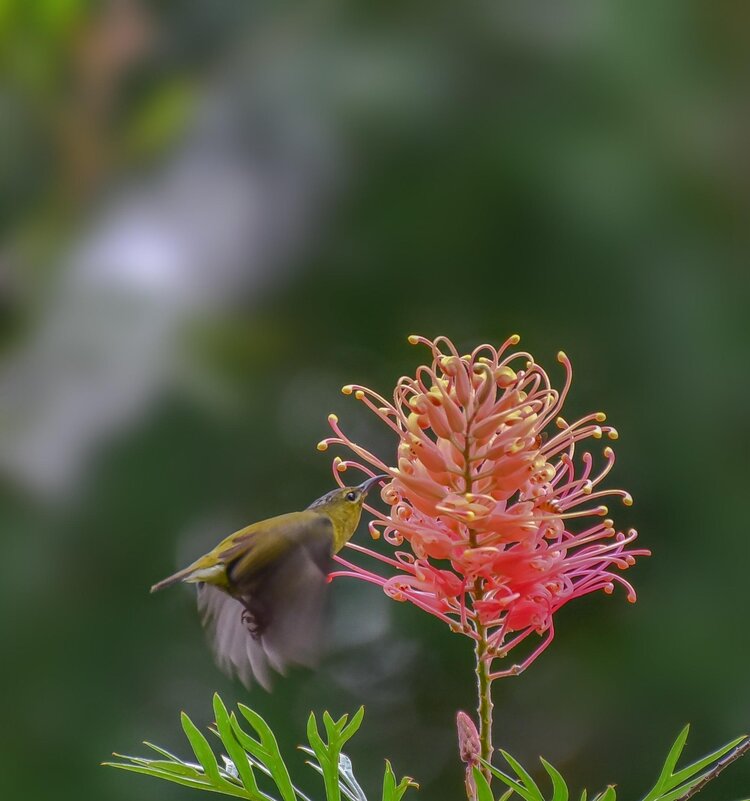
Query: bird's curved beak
(366, 486)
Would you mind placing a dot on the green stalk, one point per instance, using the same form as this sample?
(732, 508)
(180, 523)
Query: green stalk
(482, 670)
(484, 694)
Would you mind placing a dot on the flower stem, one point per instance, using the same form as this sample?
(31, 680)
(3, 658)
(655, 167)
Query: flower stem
(484, 682)
(484, 695)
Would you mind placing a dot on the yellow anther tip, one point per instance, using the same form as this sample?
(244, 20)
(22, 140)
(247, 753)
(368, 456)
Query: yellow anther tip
(322, 445)
(612, 433)
(628, 500)
(514, 339)
(341, 467)
(600, 417)
(413, 339)
(347, 389)
(332, 418)
(375, 535)
(562, 356)
(359, 394)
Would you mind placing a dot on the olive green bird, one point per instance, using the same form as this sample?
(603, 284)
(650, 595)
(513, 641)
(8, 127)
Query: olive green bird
(261, 590)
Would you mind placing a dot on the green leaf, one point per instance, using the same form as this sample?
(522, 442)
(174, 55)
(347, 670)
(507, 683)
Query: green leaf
(670, 785)
(185, 781)
(584, 794)
(559, 787)
(669, 765)
(250, 744)
(705, 762)
(484, 791)
(202, 749)
(506, 795)
(327, 754)
(180, 768)
(162, 751)
(514, 785)
(235, 751)
(349, 731)
(244, 754)
(523, 775)
(333, 727)
(313, 735)
(393, 791)
(273, 761)
(678, 792)
(610, 794)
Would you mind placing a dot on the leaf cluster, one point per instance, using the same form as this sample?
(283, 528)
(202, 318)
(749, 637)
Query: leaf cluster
(671, 785)
(249, 755)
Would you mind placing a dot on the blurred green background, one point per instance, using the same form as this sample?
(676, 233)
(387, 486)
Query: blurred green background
(215, 213)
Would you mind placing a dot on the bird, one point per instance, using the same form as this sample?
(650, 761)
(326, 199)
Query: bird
(261, 591)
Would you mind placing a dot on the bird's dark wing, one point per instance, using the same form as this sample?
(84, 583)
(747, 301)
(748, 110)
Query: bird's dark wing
(274, 617)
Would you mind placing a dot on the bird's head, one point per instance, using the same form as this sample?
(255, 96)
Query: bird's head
(344, 506)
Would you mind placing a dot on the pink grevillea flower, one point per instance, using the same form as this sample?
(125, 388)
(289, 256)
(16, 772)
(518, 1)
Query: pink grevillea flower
(496, 517)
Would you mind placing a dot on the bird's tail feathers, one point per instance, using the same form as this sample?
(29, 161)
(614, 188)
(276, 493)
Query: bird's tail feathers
(181, 575)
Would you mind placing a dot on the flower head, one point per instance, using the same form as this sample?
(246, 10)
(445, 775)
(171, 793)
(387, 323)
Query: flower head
(497, 517)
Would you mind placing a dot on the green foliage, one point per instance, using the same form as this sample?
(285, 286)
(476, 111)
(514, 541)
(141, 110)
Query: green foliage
(670, 786)
(248, 753)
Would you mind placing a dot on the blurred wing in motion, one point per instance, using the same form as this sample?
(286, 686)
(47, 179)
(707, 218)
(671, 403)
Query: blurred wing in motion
(275, 617)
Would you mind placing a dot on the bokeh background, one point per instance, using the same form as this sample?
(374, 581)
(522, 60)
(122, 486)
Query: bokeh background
(215, 213)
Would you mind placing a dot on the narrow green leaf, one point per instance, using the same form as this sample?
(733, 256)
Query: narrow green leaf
(584, 794)
(234, 750)
(514, 785)
(179, 768)
(669, 764)
(610, 794)
(389, 783)
(313, 735)
(133, 759)
(349, 731)
(327, 755)
(484, 792)
(274, 762)
(159, 774)
(678, 792)
(333, 727)
(506, 795)
(202, 749)
(185, 781)
(705, 762)
(162, 751)
(559, 787)
(393, 791)
(523, 775)
(250, 744)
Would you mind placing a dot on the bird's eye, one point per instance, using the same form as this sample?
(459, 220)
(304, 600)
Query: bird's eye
(351, 496)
